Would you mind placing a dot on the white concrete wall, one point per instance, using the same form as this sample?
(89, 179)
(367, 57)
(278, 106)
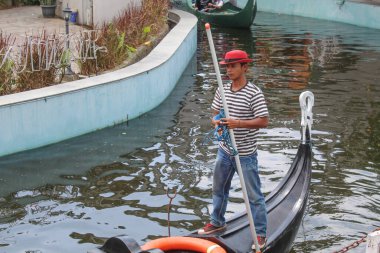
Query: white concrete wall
(350, 12)
(95, 12)
(40, 117)
(105, 11)
(82, 6)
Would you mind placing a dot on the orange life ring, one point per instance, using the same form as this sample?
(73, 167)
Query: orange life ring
(184, 243)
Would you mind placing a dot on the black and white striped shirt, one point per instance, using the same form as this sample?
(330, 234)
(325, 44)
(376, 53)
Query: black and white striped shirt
(246, 103)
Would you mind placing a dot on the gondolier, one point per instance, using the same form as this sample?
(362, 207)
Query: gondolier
(201, 5)
(228, 15)
(286, 206)
(215, 5)
(247, 114)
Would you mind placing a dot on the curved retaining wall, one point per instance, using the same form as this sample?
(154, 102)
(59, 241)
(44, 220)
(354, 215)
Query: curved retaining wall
(40, 117)
(354, 13)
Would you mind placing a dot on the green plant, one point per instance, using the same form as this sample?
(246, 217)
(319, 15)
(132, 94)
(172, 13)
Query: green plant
(31, 2)
(48, 2)
(117, 51)
(135, 27)
(22, 2)
(6, 64)
(147, 21)
(131, 29)
(36, 74)
(6, 77)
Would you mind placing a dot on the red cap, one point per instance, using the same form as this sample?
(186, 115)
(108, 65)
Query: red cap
(235, 56)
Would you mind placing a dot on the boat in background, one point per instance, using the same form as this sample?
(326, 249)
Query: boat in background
(286, 206)
(229, 15)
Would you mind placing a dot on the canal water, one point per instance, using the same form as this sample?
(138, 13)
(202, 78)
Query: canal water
(71, 196)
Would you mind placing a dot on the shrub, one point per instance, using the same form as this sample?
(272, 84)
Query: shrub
(132, 28)
(6, 64)
(46, 2)
(116, 53)
(38, 73)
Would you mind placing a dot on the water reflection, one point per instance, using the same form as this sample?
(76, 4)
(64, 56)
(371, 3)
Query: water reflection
(73, 195)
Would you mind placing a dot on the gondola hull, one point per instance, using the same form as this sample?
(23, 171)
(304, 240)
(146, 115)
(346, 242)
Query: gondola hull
(286, 207)
(229, 16)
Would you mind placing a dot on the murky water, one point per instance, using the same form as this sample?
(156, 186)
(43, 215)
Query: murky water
(71, 196)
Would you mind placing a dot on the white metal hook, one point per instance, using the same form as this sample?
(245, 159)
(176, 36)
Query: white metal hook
(306, 103)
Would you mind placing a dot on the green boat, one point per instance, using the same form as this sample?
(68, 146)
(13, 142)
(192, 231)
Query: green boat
(229, 15)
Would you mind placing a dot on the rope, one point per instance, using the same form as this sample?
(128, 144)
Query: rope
(221, 133)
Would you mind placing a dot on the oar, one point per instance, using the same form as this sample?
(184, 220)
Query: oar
(237, 159)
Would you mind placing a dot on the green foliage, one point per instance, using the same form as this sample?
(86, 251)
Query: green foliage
(126, 33)
(31, 2)
(135, 26)
(120, 45)
(26, 2)
(36, 74)
(6, 65)
(6, 77)
(146, 29)
(131, 49)
(146, 32)
(46, 2)
(29, 79)
(65, 58)
(117, 51)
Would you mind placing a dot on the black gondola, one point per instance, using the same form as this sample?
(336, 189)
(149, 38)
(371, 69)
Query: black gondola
(286, 206)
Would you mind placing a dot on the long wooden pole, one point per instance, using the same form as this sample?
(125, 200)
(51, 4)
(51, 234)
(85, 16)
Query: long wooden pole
(237, 158)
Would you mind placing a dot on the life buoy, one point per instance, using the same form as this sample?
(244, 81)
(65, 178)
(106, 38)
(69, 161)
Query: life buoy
(183, 243)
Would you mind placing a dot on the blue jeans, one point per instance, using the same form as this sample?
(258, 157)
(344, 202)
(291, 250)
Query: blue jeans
(225, 168)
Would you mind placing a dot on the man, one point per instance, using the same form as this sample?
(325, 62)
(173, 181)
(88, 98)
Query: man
(247, 114)
(215, 5)
(208, 5)
(201, 5)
